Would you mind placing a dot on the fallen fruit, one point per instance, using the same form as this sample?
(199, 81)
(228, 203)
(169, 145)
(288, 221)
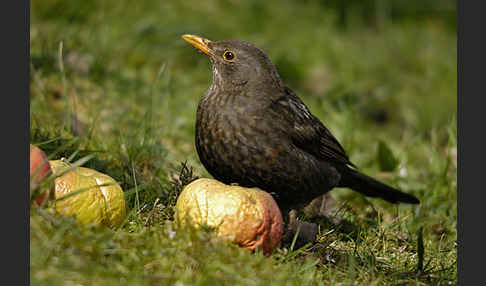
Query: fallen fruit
(91, 196)
(249, 217)
(39, 171)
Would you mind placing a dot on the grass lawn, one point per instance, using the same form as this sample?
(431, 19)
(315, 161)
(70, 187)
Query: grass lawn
(114, 79)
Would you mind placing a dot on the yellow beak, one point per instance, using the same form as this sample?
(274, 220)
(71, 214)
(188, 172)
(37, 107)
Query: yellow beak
(199, 43)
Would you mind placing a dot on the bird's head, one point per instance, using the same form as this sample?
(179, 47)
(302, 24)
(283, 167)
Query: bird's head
(237, 63)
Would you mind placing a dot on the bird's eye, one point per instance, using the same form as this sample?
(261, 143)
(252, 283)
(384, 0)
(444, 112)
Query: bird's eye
(228, 56)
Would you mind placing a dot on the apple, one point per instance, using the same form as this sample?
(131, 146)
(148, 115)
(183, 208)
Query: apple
(39, 171)
(250, 217)
(89, 195)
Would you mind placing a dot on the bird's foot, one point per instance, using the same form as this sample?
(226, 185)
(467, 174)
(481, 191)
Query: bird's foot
(306, 232)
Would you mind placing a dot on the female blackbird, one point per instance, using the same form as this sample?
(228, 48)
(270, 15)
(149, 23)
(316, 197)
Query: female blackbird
(254, 131)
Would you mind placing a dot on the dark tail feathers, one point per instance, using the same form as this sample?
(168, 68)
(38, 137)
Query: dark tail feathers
(372, 188)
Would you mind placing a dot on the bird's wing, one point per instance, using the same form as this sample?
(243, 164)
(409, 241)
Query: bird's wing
(307, 131)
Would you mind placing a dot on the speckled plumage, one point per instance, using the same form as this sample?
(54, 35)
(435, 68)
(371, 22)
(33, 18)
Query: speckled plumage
(254, 131)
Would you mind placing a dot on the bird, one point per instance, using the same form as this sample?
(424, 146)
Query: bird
(254, 131)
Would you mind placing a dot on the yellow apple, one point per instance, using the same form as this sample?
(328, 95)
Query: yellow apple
(91, 196)
(249, 217)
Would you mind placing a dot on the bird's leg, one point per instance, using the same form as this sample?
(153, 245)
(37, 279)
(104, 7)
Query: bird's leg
(306, 232)
(322, 206)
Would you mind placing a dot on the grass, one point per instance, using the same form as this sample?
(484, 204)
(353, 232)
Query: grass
(114, 80)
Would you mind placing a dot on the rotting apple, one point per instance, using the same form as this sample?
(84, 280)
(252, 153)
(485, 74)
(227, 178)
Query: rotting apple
(249, 217)
(89, 195)
(40, 170)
